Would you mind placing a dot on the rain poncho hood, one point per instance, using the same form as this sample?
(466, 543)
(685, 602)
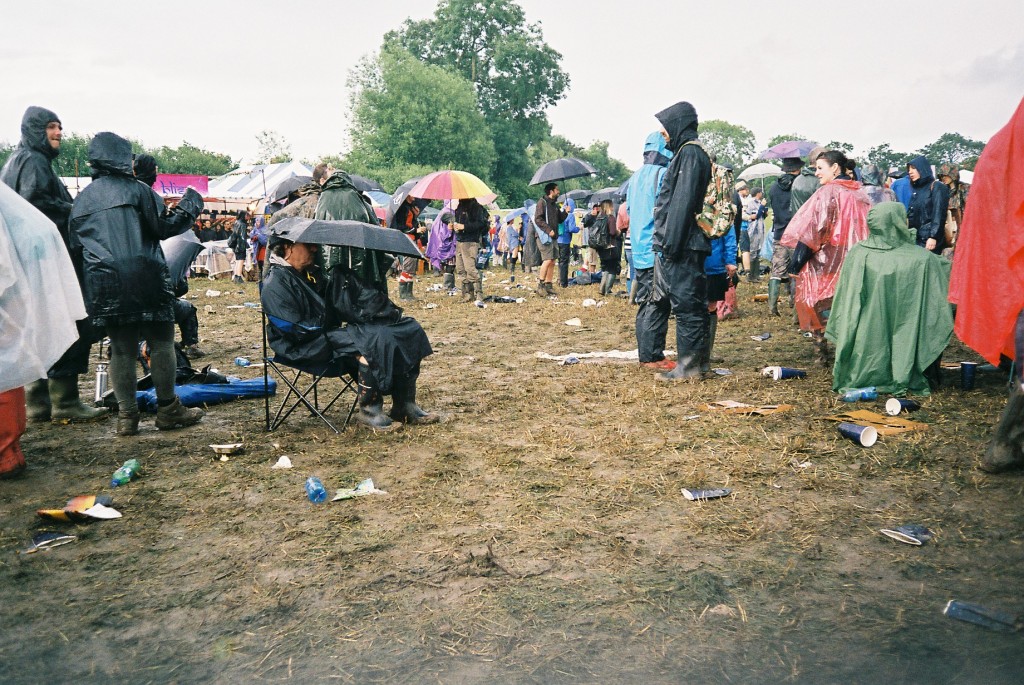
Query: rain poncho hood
(924, 168)
(33, 130)
(680, 121)
(641, 194)
(832, 221)
(888, 320)
(110, 154)
(988, 265)
(441, 241)
(340, 200)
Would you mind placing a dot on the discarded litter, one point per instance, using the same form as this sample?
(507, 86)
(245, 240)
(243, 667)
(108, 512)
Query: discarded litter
(569, 361)
(364, 488)
(885, 425)
(46, 540)
(721, 372)
(229, 448)
(480, 303)
(504, 299)
(213, 293)
(860, 395)
(993, 619)
(761, 338)
(282, 463)
(430, 305)
(129, 470)
(209, 309)
(910, 534)
(83, 508)
(865, 436)
(734, 407)
(315, 490)
(782, 372)
(243, 361)
(251, 305)
(760, 297)
(590, 302)
(714, 493)
(573, 322)
(894, 406)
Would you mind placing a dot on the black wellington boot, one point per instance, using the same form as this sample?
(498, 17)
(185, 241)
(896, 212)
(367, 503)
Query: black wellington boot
(1006, 451)
(404, 408)
(371, 403)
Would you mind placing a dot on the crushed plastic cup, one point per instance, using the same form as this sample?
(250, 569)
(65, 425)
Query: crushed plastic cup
(894, 406)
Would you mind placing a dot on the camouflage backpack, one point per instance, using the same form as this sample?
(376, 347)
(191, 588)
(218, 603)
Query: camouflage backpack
(716, 217)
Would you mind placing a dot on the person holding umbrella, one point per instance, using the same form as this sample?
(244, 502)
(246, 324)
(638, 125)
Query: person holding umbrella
(406, 219)
(547, 218)
(470, 226)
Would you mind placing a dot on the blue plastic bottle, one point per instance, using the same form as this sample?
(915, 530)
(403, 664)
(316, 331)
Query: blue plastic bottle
(315, 490)
(860, 394)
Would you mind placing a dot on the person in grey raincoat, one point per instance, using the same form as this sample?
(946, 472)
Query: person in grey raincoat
(29, 172)
(679, 242)
(117, 224)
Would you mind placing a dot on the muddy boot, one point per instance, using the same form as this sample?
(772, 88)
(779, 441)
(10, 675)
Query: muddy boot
(403, 404)
(549, 289)
(712, 332)
(177, 415)
(824, 357)
(467, 292)
(755, 270)
(1006, 451)
(68, 407)
(773, 297)
(37, 401)
(448, 281)
(405, 291)
(127, 423)
(371, 403)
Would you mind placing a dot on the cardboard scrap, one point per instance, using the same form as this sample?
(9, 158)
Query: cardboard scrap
(734, 407)
(885, 425)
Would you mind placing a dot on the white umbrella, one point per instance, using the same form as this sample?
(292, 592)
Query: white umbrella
(966, 176)
(760, 171)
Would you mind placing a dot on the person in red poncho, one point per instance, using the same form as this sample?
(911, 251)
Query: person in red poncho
(987, 283)
(820, 234)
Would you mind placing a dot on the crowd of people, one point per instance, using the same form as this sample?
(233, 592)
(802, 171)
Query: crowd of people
(865, 256)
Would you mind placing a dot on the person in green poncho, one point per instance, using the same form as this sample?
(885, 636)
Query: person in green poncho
(890, 321)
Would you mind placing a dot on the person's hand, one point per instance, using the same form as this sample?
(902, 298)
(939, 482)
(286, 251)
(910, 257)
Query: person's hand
(930, 244)
(551, 233)
(456, 226)
(730, 269)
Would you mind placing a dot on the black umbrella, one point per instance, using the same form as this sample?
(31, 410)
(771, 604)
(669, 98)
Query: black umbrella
(399, 197)
(287, 187)
(179, 253)
(365, 185)
(611, 193)
(622, 190)
(580, 196)
(561, 169)
(345, 233)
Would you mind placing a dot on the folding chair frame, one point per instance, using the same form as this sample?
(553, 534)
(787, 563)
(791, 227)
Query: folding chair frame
(295, 384)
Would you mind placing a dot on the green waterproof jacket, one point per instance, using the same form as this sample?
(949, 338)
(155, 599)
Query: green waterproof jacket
(340, 200)
(890, 318)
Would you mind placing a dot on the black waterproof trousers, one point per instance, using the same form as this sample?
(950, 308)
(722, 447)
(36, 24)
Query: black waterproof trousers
(688, 294)
(188, 322)
(564, 254)
(75, 360)
(651, 317)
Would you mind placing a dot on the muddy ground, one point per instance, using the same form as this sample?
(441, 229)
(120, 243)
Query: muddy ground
(538, 535)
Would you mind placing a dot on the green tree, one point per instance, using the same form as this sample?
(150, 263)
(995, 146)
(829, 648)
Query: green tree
(6, 150)
(273, 148)
(886, 158)
(953, 148)
(409, 113)
(845, 148)
(734, 145)
(74, 147)
(189, 159)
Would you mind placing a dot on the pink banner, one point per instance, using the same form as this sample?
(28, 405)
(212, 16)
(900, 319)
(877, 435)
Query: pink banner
(168, 185)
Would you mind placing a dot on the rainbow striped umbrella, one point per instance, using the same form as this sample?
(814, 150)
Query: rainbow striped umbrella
(450, 185)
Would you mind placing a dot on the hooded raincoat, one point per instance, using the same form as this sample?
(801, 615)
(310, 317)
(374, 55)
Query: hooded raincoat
(832, 221)
(441, 240)
(889, 321)
(28, 170)
(644, 187)
(340, 200)
(871, 177)
(988, 265)
(929, 202)
(117, 224)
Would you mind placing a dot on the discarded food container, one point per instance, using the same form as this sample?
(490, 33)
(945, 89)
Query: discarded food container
(967, 372)
(993, 619)
(782, 372)
(860, 394)
(865, 436)
(228, 448)
(713, 493)
(129, 470)
(242, 361)
(894, 406)
(315, 490)
(911, 534)
(282, 463)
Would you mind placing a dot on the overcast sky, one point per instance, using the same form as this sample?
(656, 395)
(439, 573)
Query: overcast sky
(216, 73)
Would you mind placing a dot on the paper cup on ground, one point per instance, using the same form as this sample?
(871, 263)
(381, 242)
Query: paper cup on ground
(895, 406)
(865, 436)
(967, 372)
(782, 372)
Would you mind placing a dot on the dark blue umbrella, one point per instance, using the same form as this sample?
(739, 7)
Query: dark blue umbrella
(561, 169)
(399, 197)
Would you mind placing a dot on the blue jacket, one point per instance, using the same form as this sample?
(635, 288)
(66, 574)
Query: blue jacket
(641, 195)
(723, 251)
(568, 227)
(901, 186)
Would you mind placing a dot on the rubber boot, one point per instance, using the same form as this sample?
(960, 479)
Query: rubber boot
(405, 291)
(37, 401)
(371, 403)
(67, 406)
(755, 269)
(687, 368)
(176, 415)
(712, 332)
(127, 423)
(448, 281)
(403, 404)
(1006, 451)
(773, 297)
(467, 292)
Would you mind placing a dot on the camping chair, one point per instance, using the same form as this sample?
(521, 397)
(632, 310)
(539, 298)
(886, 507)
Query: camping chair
(303, 381)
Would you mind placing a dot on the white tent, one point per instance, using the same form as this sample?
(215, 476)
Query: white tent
(75, 184)
(254, 182)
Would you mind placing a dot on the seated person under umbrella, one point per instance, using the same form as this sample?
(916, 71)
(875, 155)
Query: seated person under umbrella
(345, 317)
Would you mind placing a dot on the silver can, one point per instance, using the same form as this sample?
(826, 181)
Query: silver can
(102, 378)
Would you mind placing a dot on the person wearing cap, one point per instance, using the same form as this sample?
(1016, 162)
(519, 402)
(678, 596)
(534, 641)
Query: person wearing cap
(680, 243)
(779, 197)
(29, 172)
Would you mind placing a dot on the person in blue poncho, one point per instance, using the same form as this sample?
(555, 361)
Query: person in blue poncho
(565, 233)
(652, 314)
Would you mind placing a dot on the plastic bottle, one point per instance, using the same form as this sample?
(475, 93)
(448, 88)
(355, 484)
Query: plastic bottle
(315, 490)
(860, 394)
(128, 471)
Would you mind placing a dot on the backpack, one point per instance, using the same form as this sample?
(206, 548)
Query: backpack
(597, 232)
(717, 214)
